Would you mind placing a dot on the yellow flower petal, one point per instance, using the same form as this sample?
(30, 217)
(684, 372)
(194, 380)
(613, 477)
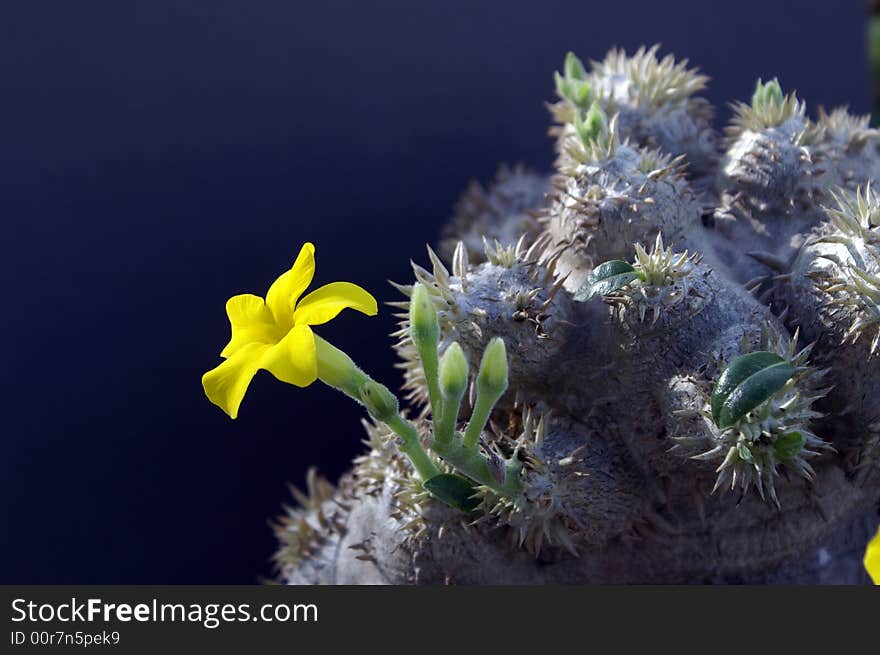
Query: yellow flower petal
(286, 290)
(293, 359)
(251, 322)
(872, 558)
(323, 304)
(225, 385)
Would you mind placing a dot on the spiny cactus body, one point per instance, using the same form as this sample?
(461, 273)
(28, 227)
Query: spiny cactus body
(691, 327)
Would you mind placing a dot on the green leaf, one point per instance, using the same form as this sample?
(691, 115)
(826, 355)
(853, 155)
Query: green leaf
(563, 86)
(574, 69)
(746, 383)
(582, 94)
(605, 278)
(788, 445)
(738, 371)
(454, 490)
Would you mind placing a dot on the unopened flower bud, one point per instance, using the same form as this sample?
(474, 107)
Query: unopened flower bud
(592, 125)
(767, 94)
(453, 373)
(424, 328)
(492, 378)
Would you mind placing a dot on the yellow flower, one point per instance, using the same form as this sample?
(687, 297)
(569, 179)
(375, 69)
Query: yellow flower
(872, 558)
(274, 334)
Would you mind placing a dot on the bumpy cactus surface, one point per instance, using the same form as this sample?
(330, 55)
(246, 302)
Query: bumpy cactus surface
(692, 333)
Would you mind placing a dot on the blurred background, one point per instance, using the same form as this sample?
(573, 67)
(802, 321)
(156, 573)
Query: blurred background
(158, 157)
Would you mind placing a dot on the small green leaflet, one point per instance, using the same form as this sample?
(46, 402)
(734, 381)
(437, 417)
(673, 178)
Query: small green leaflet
(454, 490)
(746, 383)
(788, 445)
(605, 278)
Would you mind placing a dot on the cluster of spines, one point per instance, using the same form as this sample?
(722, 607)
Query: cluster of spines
(746, 449)
(661, 267)
(540, 518)
(660, 286)
(593, 138)
(305, 527)
(857, 215)
(853, 290)
(859, 291)
(769, 108)
(654, 83)
(321, 510)
(848, 131)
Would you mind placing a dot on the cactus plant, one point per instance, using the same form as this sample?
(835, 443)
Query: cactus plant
(657, 364)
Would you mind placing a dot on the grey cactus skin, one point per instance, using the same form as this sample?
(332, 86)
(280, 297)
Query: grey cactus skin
(607, 399)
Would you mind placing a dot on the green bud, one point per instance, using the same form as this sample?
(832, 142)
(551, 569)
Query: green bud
(596, 121)
(453, 373)
(767, 94)
(492, 378)
(582, 93)
(424, 329)
(379, 401)
(574, 69)
(592, 125)
(773, 92)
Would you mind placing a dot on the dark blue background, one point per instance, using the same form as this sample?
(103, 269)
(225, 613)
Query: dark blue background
(157, 157)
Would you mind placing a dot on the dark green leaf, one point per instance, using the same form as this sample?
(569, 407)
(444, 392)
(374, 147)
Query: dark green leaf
(606, 278)
(740, 369)
(454, 490)
(746, 383)
(789, 444)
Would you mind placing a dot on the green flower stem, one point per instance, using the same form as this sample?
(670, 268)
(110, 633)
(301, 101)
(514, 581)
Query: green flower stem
(444, 429)
(412, 447)
(430, 364)
(470, 462)
(336, 369)
(491, 384)
(479, 418)
(453, 384)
